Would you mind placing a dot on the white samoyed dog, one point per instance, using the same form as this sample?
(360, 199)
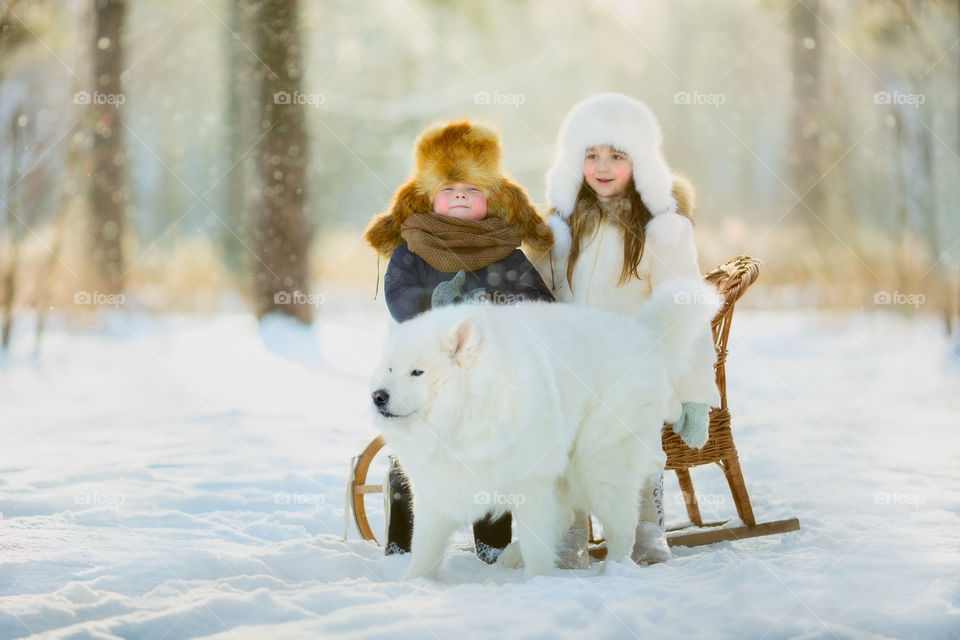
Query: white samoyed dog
(537, 409)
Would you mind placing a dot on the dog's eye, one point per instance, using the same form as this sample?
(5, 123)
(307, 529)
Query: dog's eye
(416, 372)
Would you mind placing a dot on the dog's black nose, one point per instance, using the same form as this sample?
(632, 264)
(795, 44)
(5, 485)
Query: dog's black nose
(380, 397)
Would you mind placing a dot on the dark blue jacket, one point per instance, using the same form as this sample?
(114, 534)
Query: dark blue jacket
(410, 281)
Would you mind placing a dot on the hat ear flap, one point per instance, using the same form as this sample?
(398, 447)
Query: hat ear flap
(383, 233)
(520, 214)
(684, 194)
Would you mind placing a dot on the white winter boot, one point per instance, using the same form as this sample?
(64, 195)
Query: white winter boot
(572, 551)
(650, 545)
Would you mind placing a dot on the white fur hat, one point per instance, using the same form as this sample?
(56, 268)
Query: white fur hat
(624, 123)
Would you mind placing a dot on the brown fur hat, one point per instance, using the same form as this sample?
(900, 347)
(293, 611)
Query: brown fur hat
(458, 152)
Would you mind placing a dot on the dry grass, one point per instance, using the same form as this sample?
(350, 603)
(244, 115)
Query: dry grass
(342, 257)
(803, 268)
(188, 275)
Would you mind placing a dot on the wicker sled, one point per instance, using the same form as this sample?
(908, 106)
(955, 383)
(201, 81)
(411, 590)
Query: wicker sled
(731, 280)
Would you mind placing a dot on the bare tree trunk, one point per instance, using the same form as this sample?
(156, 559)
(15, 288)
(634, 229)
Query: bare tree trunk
(71, 184)
(930, 227)
(12, 34)
(953, 282)
(12, 31)
(281, 234)
(14, 217)
(902, 216)
(806, 159)
(917, 214)
(239, 130)
(109, 191)
(69, 187)
(42, 300)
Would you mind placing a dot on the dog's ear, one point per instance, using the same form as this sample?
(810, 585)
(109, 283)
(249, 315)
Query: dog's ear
(462, 341)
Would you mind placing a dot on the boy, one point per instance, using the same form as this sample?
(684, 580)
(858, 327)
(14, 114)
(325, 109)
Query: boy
(453, 233)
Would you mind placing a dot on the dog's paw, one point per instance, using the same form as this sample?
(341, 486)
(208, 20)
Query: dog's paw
(543, 569)
(416, 571)
(511, 556)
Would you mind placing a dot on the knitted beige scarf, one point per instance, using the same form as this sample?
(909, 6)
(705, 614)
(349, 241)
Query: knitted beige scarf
(450, 244)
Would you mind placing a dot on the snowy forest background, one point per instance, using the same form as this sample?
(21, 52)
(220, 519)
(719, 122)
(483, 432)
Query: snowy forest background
(141, 141)
(189, 319)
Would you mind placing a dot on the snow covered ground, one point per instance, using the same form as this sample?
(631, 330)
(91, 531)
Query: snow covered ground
(184, 477)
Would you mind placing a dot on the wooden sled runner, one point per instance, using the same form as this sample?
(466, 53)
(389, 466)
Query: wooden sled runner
(731, 280)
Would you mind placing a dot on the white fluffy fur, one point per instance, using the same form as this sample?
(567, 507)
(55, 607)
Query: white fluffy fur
(670, 252)
(621, 122)
(669, 230)
(539, 409)
(562, 239)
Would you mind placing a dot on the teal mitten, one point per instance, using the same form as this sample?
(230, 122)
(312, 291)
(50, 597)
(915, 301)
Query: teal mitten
(448, 292)
(693, 424)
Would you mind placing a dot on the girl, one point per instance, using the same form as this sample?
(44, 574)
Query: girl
(621, 227)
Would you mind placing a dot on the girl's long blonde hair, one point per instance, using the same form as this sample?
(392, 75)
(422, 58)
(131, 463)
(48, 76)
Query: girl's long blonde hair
(631, 217)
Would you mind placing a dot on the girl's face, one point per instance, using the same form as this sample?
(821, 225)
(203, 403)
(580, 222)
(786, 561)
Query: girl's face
(460, 200)
(607, 171)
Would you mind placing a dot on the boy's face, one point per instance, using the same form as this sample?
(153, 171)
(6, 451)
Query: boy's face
(460, 200)
(607, 171)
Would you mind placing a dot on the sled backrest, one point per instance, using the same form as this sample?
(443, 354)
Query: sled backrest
(731, 280)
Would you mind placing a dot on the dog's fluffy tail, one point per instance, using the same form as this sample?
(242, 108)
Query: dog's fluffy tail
(678, 311)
